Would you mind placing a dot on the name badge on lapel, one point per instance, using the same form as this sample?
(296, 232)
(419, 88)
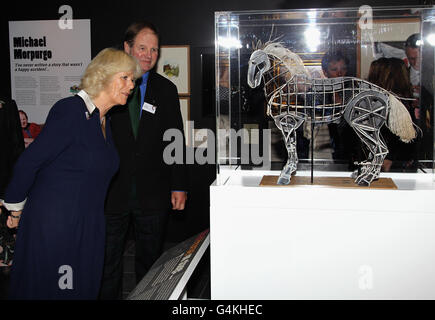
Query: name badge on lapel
(149, 107)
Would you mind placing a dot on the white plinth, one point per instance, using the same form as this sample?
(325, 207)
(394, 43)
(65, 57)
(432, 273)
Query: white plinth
(315, 242)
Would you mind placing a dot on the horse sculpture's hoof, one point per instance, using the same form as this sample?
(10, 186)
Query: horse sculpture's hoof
(363, 183)
(283, 180)
(365, 180)
(355, 174)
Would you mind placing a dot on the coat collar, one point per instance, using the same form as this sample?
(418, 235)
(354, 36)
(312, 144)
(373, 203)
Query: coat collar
(88, 102)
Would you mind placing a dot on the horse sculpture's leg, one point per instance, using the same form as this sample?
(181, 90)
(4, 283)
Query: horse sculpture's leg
(370, 171)
(366, 114)
(288, 125)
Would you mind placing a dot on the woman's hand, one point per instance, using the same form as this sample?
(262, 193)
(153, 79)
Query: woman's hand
(14, 219)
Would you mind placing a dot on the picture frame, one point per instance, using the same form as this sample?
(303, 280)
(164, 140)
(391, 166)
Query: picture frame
(185, 115)
(174, 64)
(392, 32)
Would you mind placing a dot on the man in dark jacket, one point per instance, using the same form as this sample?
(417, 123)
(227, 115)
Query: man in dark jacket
(146, 188)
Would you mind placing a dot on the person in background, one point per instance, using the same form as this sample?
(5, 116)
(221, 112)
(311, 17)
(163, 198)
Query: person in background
(59, 184)
(30, 130)
(392, 75)
(12, 145)
(145, 188)
(345, 143)
(11, 140)
(413, 61)
(334, 64)
(7, 244)
(423, 104)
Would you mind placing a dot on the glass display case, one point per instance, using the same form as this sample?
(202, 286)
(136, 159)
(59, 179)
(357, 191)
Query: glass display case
(330, 44)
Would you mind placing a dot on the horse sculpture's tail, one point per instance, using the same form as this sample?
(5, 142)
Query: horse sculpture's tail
(400, 121)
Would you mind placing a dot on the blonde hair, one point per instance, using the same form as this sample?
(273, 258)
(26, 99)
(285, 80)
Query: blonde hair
(104, 66)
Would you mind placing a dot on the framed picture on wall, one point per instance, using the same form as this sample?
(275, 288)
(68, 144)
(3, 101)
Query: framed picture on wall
(386, 39)
(174, 64)
(185, 114)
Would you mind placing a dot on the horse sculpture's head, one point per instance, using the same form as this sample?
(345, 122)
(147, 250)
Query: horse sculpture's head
(258, 64)
(286, 64)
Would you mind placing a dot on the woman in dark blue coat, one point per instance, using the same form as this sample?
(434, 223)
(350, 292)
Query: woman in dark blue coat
(59, 185)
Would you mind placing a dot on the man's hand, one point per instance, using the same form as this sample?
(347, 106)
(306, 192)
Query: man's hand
(178, 200)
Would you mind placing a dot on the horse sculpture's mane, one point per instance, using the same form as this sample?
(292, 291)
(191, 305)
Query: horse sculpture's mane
(290, 59)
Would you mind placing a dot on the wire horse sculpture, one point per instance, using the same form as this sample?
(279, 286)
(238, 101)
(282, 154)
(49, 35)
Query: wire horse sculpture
(293, 97)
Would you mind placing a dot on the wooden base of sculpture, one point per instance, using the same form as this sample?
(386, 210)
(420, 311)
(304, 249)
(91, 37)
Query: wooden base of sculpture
(336, 182)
